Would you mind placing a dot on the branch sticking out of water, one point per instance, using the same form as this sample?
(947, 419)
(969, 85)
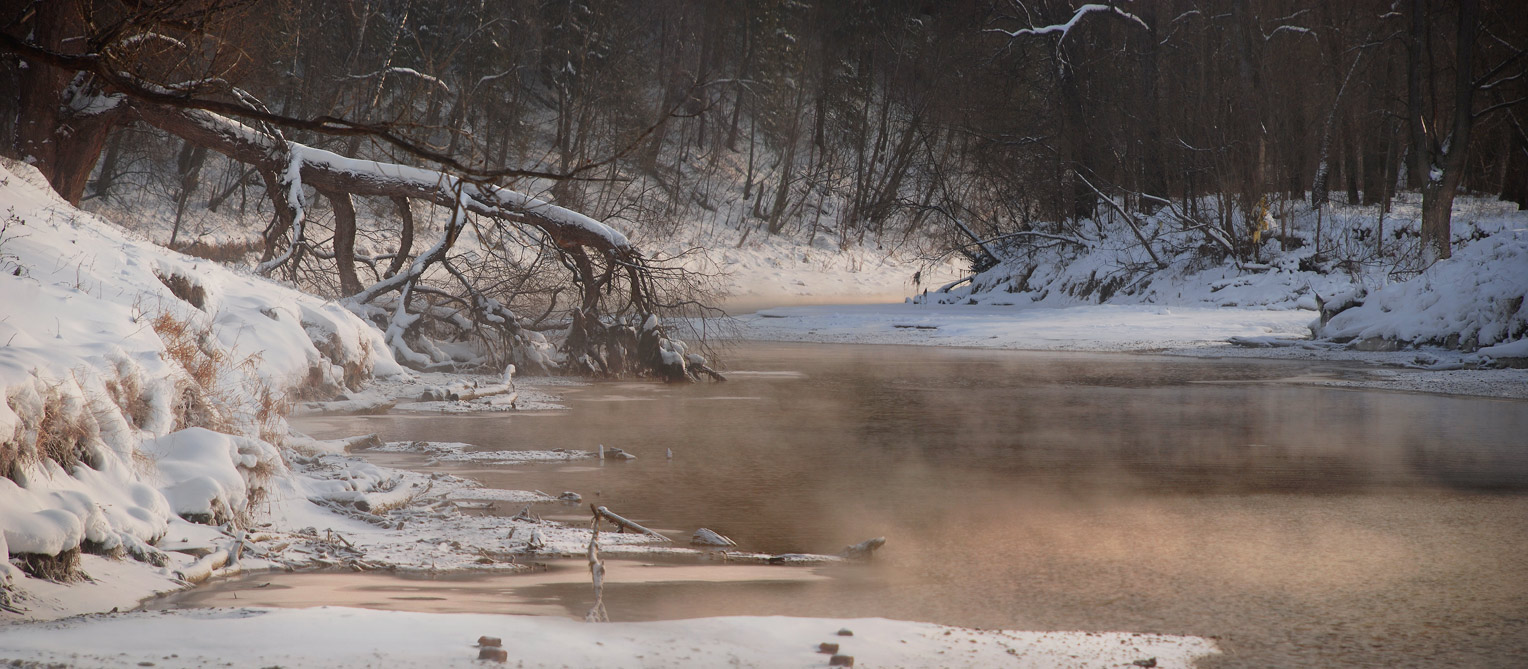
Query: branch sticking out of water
(622, 523)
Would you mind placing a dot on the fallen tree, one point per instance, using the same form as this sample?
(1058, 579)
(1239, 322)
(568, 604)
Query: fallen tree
(439, 308)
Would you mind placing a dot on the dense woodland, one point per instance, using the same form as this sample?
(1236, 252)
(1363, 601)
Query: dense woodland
(968, 121)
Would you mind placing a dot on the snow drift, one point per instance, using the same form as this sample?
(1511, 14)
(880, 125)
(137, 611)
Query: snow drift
(141, 385)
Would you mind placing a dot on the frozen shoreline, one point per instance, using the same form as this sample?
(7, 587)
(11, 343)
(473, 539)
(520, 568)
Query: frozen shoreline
(343, 638)
(1204, 332)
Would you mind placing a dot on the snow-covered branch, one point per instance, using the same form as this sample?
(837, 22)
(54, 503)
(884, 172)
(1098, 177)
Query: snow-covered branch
(1064, 29)
(408, 71)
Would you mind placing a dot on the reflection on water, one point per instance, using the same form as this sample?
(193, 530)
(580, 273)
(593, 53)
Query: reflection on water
(1299, 525)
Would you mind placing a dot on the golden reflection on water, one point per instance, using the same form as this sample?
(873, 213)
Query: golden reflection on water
(1299, 525)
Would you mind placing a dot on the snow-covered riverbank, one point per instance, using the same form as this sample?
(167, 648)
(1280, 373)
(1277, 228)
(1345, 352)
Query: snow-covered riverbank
(1455, 327)
(146, 449)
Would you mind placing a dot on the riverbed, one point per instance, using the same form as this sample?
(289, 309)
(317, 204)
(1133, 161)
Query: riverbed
(1296, 524)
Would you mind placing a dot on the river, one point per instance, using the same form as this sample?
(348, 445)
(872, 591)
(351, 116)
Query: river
(1294, 523)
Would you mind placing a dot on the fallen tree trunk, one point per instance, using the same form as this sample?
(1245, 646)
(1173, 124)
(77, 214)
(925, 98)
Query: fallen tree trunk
(597, 256)
(330, 172)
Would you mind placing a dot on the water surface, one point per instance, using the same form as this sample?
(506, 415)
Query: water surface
(1298, 525)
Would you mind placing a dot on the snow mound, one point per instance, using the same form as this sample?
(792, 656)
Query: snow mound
(1475, 298)
(205, 474)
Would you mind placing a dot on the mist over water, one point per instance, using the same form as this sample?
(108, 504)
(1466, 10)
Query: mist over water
(1297, 524)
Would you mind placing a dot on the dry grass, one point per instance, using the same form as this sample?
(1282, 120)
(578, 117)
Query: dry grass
(192, 347)
(225, 394)
(63, 434)
(52, 427)
(270, 414)
(61, 568)
(228, 252)
(127, 393)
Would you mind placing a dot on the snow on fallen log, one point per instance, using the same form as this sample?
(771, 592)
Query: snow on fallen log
(309, 446)
(624, 524)
(346, 407)
(371, 502)
(203, 568)
(326, 170)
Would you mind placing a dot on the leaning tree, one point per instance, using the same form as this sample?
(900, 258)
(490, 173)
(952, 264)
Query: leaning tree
(86, 68)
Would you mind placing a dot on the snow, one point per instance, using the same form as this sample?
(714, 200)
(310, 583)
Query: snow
(1516, 349)
(199, 470)
(77, 322)
(1066, 28)
(1477, 297)
(1106, 327)
(99, 430)
(342, 638)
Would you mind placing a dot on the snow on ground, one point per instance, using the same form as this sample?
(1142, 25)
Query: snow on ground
(117, 354)
(1445, 327)
(344, 638)
(1106, 327)
(1184, 331)
(143, 387)
(773, 270)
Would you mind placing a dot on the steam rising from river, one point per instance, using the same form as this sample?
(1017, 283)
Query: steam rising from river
(1301, 525)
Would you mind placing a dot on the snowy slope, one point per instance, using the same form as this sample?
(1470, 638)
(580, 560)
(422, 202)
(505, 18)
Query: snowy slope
(110, 374)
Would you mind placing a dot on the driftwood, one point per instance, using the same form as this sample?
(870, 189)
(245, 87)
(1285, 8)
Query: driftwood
(622, 523)
(708, 537)
(597, 613)
(203, 567)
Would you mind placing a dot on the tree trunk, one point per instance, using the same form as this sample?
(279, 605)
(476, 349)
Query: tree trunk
(1419, 154)
(406, 238)
(189, 165)
(1438, 194)
(344, 241)
(60, 128)
(1514, 187)
(108, 175)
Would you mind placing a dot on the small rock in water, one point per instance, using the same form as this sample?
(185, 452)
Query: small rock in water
(500, 655)
(1148, 662)
(490, 641)
(846, 632)
(841, 661)
(706, 537)
(570, 496)
(863, 550)
(669, 452)
(828, 648)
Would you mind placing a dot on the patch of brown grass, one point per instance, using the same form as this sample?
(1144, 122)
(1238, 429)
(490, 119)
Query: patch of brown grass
(127, 393)
(62, 435)
(61, 568)
(192, 347)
